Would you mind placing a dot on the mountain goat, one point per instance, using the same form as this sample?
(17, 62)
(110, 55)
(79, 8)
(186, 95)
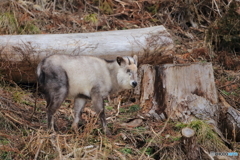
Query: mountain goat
(82, 78)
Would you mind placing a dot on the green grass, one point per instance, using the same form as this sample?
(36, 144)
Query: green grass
(225, 92)
(126, 150)
(180, 126)
(4, 155)
(9, 24)
(93, 18)
(4, 141)
(141, 128)
(204, 133)
(175, 138)
(206, 136)
(149, 151)
(131, 109)
(109, 108)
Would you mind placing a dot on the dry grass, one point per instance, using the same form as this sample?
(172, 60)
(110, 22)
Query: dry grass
(89, 16)
(24, 136)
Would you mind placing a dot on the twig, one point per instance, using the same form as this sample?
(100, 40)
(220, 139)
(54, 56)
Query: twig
(156, 135)
(235, 102)
(17, 121)
(217, 8)
(80, 150)
(59, 149)
(210, 157)
(39, 147)
(54, 5)
(25, 9)
(228, 84)
(8, 149)
(86, 3)
(163, 155)
(27, 146)
(56, 145)
(98, 16)
(120, 155)
(4, 116)
(119, 104)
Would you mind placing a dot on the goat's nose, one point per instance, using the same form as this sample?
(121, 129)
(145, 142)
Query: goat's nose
(134, 84)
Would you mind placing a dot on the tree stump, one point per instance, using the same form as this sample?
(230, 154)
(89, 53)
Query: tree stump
(178, 90)
(184, 92)
(189, 144)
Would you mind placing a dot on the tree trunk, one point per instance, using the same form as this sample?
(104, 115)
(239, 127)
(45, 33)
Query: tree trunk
(20, 52)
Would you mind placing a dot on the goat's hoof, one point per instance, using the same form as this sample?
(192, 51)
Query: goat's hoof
(75, 128)
(107, 132)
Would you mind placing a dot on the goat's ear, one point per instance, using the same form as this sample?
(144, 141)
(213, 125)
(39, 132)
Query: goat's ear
(120, 61)
(135, 57)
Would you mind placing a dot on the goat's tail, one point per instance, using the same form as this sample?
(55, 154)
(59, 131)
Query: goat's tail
(40, 74)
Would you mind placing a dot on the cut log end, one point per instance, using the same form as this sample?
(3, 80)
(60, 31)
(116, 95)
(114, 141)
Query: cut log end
(188, 132)
(189, 143)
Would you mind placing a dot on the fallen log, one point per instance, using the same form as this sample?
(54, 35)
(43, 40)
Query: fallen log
(102, 44)
(18, 50)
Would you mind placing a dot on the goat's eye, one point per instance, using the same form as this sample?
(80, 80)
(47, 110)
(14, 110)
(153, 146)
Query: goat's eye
(128, 70)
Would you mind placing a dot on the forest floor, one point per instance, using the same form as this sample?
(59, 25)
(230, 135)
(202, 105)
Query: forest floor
(193, 26)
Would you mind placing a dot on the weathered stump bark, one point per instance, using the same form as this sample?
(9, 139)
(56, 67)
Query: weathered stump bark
(178, 90)
(189, 144)
(229, 121)
(184, 92)
(187, 89)
(18, 50)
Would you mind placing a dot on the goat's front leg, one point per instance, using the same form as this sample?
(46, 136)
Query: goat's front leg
(97, 101)
(79, 104)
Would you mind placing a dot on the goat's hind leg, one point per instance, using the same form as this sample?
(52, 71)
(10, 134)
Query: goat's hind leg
(54, 101)
(55, 88)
